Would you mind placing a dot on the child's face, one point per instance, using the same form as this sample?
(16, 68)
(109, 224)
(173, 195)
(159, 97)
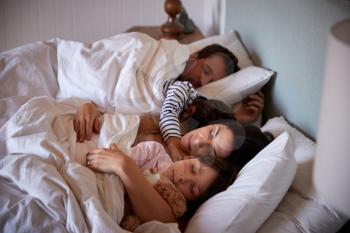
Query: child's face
(191, 177)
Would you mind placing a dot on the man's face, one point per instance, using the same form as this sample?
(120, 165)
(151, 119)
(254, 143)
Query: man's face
(205, 70)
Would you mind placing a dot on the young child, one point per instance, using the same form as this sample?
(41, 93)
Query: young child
(177, 182)
(211, 63)
(166, 189)
(203, 111)
(197, 178)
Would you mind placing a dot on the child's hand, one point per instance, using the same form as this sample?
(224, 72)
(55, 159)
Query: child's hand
(106, 160)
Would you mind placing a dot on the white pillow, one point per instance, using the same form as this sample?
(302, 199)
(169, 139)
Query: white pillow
(302, 209)
(237, 86)
(256, 192)
(229, 40)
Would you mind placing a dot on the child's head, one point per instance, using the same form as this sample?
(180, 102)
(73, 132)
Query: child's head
(194, 177)
(207, 110)
(199, 179)
(211, 63)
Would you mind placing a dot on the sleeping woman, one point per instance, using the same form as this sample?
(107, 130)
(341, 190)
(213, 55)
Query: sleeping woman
(169, 185)
(87, 119)
(212, 146)
(193, 177)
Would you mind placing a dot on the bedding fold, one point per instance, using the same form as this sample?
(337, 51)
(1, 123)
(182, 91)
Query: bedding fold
(45, 186)
(122, 74)
(40, 156)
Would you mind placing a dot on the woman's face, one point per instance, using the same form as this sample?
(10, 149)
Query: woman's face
(191, 177)
(211, 140)
(205, 70)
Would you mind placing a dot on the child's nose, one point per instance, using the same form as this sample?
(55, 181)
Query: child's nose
(180, 178)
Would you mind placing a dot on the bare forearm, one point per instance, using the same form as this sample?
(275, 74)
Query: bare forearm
(173, 145)
(147, 203)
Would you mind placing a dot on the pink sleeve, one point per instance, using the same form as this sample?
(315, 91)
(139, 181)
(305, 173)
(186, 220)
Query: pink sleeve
(150, 154)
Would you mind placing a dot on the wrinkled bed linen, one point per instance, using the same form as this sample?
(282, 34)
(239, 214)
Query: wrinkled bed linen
(129, 79)
(40, 157)
(44, 185)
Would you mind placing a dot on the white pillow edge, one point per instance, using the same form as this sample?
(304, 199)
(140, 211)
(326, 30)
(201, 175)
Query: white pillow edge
(252, 196)
(233, 94)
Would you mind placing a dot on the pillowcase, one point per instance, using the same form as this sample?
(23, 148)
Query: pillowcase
(302, 209)
(231, 42)
(237, 86)
(256, 192)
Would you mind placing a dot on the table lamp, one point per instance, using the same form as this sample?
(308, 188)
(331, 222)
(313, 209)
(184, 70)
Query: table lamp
(332, 163)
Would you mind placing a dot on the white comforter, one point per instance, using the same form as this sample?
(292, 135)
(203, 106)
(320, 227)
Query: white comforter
(129, 79)
(44, 185)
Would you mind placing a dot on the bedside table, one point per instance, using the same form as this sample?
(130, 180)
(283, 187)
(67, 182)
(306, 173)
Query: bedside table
(156, 33)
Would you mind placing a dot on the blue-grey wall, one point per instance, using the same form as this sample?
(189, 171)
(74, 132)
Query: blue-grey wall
(289, 37)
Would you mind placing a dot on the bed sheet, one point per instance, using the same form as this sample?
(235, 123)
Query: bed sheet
(124, 73)
(43, 175)
(45, 187)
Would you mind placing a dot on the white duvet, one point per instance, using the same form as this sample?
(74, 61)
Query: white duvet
(128, 79)
(44, 184)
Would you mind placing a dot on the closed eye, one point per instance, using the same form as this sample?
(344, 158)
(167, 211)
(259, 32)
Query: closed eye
(207, 69)
(194, 169)
(212, 133)
(215, 133)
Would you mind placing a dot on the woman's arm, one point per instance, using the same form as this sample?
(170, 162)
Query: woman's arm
(147, 203)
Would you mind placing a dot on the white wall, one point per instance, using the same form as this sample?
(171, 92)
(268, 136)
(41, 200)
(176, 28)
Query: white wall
(289, 37)
(23, 21)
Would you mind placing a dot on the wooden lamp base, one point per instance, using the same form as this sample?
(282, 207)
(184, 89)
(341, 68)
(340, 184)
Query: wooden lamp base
(172, 29)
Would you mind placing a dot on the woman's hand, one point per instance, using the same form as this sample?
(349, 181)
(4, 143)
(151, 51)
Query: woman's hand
(248, 111)
(106, 160)
(86, 121)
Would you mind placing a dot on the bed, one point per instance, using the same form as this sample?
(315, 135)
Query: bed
(45, 185)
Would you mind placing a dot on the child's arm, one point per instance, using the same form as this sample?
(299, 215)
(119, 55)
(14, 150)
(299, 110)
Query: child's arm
(144, 198)
(174, 149)
(178, 96)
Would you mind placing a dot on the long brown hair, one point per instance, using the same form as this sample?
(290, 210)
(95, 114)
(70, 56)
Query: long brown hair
(226, 175)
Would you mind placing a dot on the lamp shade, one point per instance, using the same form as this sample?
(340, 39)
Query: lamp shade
(332, 164)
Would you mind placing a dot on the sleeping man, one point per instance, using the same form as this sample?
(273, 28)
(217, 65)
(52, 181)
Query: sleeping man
(87, 119)
(141, 85)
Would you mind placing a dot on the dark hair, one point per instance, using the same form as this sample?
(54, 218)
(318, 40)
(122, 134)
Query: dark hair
(248, 141)
(230, 60)
(226, 175)
(208, 110)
